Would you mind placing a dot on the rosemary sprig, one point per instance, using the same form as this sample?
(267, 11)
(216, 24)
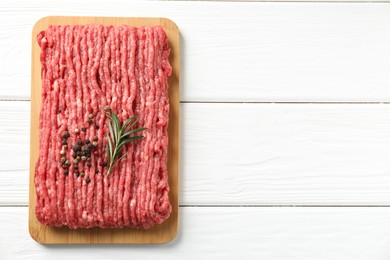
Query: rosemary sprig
(119, 136)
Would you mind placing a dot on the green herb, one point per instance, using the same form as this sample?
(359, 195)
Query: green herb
(120, 134)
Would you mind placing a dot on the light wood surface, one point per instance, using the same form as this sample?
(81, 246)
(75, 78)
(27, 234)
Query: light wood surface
(271, 233)
(287, 154)
(258, 52)
(334, 155)
(158, 234)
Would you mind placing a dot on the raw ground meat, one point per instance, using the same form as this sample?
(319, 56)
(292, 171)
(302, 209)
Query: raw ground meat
(84, 69)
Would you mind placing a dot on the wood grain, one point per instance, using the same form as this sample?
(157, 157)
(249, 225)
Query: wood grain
(158, 234)
(254, 51)
(290, 154)
(270, 233)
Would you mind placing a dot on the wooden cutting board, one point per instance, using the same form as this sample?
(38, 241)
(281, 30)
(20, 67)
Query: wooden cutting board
(159, 234)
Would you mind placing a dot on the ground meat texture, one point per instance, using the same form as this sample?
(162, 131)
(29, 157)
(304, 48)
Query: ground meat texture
(85, 68)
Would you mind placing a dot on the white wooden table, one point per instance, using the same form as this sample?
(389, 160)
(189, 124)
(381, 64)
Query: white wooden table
(285, 146)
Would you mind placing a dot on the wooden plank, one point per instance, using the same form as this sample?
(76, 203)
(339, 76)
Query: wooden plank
(231, 233)
(238, 51)
(252, 154)
(158, 234)
(14, 150)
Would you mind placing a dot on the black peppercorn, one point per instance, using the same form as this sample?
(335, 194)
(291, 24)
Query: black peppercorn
(89, 164)
(96, 126)
(74, 156)
(77, 174)
(104, 164)
(82, 175)
(83, 129)
(66, 172)
(78, 153)
(90, 146)
(79, 142)
(76, 148)
(90, 121)
(64, 142)
(96, 171)
(87, 141)
(59, 110)
(76, 167)
(65, 134)
(95, 138)
(87, 180)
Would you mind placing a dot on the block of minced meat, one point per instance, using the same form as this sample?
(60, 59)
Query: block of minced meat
(88, 71)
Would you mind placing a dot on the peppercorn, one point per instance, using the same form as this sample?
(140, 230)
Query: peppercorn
(64, 142)
(77, 174)
(66, 172)
(76, 161)
(89, 156)
(83, 129)
(90, 121)
(78, 153)
(64, 166)
(82, 175)
(83, 158)
(87, 180)
(76, 148)
(83, 148)
(74, 156)
(96, 126)
(91, 146)
(79, 142)
(95, 144)
(76, 167)
(63, 159)
(96, 171)
(95, 138)
(59, 110)
(77, 131)
(90, 116)
(87, 141)
(104, 164)
(65, 134)
(89, 164)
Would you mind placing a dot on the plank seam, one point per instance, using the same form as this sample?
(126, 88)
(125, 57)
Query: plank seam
(288, 1)
(256, 102)
(248, 206)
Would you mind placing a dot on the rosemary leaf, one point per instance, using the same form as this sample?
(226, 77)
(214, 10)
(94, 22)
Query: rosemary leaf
(120, 135)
